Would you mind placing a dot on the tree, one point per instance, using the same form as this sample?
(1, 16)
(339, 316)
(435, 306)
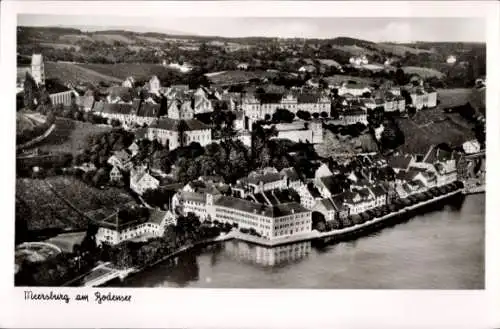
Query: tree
(283, 115)
(304, 115)
(30, 91)
(324, 114)
(315, 115)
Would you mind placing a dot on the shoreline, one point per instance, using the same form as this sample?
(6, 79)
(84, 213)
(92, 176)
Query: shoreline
(338, 235)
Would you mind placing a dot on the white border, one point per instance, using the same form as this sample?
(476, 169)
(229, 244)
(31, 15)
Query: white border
(209, 308)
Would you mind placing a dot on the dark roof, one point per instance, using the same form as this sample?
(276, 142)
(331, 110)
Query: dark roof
(314, 191)
(436, 154)
(119, 91)
(307, 98)
(399, 161)
(98, 107)
(327, 203)
(290, 173)
(118, 108)
(278, 210)
(156, 216)
(270, 98)
(338, 202)
(149, 110)
(173, 124)
(354, 111)
(265, 178)
(378, 190)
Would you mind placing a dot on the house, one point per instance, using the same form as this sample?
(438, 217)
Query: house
(329, 186)
(201, 104)
(142, 181)
(309, 195)
(133, 224)
(115, 175)
(38, 69)
(379, 194)
(292, 178)
(173, 133)
(129, 82)
(260, 182)
(121, 160)
(471, 147)
(180, 109)
(154, 85)
(307, 68)
(242, 66)
(326, 208)
(358, 201)
(86, 103)
(354, 115)
(400, 162)
(322, 171)
(355, 89)
(134, 149)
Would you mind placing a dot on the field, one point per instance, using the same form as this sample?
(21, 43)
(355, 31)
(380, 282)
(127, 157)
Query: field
(355, 50)
(59, 45)
(70, 136)
(75, 74)
(123, 70)
(87, 198)
(432, 126)
(42, 209)
(71, 38)
(423, 72)
(338, 79)
(111, 38)
(150, 39)
(453, 97)
(399, 50)
(234, 77)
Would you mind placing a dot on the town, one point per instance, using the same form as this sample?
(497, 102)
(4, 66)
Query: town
(145, 167)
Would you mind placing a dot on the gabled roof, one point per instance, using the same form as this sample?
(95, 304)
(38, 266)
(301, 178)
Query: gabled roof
(399, 161)
(290, 173)
(307, 98)
(327, 203)
(378, 190)
(156, 216)
(149, 110)
(118, 108)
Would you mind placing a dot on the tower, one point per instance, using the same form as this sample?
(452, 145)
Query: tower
(37, 69)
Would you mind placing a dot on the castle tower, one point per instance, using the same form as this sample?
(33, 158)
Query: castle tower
(37, 69)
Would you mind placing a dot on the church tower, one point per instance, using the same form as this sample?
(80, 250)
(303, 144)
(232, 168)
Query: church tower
(37, 69)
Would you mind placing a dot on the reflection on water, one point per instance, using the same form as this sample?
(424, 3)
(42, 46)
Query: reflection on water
(267, 256)
(442, 248)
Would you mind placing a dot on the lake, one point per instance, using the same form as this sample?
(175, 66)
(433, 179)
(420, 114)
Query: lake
(440, 249)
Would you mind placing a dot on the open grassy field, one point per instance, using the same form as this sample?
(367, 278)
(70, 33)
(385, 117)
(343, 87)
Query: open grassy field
(150, 39)
(60, 45)
(453, 97)
(432, 126)
(42, 209)
(338, 79)
(123, 70)
(73, 190)
(70, 136)
(354, 50)
(399, 50)
(234, 77)
(423, 72)
(111, 38)
(75, 74)
(72, 38)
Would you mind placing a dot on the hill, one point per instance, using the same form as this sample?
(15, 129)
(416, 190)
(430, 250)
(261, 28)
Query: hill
(140, 71)
(423, 72)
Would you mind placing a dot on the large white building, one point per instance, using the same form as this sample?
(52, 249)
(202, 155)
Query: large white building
(117, 228)
(170, 131)
(300, 131)
(256, 107)
(38, 69)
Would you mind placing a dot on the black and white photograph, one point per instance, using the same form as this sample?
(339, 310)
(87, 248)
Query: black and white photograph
(262, 160)
(235, 152)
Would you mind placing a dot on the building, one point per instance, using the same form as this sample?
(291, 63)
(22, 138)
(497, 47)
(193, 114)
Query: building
(242, 66)
(471, 147)
(262, 181)
(191, 201)
(121, 160)
(309, 195)
(400, 162)
(173, 133)
(38, 69)
(129, 82)
(85, 103)
(63, 97)
(292, 178)
(115, 175)
(300, 131)
(154, 85)
(256, 107)
(141, 181)
(307, 69)
(270, 222)
(379, 194)
(180, 109)
(201, 103)
(354, 89)
(140, 225)
(353, 115)
(423, 97)
(326, 208)
(440, 162)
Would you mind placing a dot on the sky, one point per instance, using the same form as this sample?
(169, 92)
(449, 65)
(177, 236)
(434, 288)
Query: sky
(466, 29)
